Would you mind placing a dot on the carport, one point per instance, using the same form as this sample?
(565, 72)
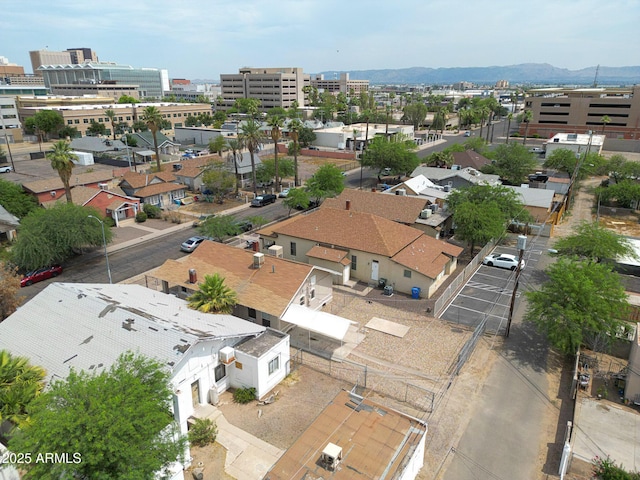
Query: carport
(323, 323)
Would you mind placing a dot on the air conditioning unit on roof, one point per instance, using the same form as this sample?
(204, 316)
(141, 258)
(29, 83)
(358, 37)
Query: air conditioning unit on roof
(227, 355)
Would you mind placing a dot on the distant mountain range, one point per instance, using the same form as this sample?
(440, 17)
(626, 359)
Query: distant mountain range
(526, 73)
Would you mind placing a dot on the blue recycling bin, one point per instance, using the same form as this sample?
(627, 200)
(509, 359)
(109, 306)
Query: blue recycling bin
(415, 292)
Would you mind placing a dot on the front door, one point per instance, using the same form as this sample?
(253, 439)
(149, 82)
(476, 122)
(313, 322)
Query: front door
(195, 393)
(374, 270)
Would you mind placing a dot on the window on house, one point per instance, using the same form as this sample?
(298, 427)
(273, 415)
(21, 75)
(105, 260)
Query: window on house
(220, 372)
(312, 293)
(274, 365)
(407, 274)
(266, 323)
(302, 300)
(252, 313)
(293, 249)
(354, 262)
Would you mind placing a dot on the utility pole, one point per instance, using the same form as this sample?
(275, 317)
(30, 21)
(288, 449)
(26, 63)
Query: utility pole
(522, 244)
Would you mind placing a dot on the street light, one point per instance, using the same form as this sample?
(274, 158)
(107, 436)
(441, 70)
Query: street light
(104, 242)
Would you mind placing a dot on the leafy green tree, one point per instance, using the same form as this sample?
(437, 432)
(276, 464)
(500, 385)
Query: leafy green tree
(10, 299)
(251, 137)
(218, 145)
(127, 99)
(219, 227)
(69, 131)
(213, 296)
(415, 113)
(152, 117)
(276, 122)
(508, 202)
(266, 170)
(15, 200)
(111, 115)
(53, 235)
(594, 242)
(48, 122)
(250, 106)
(512, 162)
(580, 299)
(326, 182)
(118, 421)
(20, 384)
(220, 117)
(297, 198)
(440, 159)
(306, 137)
(476, 144)
(619, 168)
(477, 224)
(399, 155)
(219, 180)
(61, 159)
(294, 132)
(626, 193)
(96, 128)
(139, 126)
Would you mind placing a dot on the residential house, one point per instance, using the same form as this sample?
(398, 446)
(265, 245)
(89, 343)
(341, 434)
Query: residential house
(8, 225)
(166, 146)
(538, 202)
(470, 159)
(355, 438)
(110, 203)
(88, 326)
(365, 247)
(455, 178)
(160, 189)
(266, 285)
(52, 188)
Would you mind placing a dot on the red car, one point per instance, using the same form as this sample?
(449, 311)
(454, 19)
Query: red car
(40, 274)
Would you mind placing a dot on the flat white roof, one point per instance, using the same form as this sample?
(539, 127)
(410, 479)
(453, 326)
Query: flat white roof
(323, 323)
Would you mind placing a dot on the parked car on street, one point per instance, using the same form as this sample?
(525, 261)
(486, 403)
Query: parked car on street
(262, 200)
(537, 150)
(6, 169)
(245, 226)
(40, 274)
(467, 134)
(191, 243)
(503, 260)
(284, 193)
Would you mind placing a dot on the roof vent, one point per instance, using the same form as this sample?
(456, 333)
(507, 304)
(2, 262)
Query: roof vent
(331, 457)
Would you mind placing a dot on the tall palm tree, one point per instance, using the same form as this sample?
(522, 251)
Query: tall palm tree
(276, 122)
(605, 120)
(294, 132)
(111, 115)
(20, 383)
(526, 118)
(251, 138)
(213, 296)
(235, 145)
(484, 112)
(153, 118)
(61, 161)
(509, 118)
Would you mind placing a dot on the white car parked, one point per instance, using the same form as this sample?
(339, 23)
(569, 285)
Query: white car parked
(502, 260)
(6, 169)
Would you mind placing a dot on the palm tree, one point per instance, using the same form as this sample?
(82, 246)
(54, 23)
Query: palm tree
(509, 118)
(20, 383)
(526, 118)
(251, 138)
(294, 133)
(235, 145)
(213, 296)
(605, 120)
(61, 161)
(152, 117)
(276, 122)
(484, 111)
(111, 115)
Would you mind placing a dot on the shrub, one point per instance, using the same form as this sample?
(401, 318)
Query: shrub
(141, 217)
(152, 211)
(606, 469)
(109, 222)
(203, 432)
(516, 134)
(244, 395)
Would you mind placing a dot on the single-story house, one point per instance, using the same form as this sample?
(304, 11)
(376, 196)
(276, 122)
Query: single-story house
(8, 225)
(355, 438)
(266, 284)
(456, 178)
(538, 202)
(365, 247)
(110, 203)
(470, 158)
(165, 146)
(88, 326)
(52, 188)
(161, 189)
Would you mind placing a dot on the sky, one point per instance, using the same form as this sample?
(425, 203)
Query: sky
(200, 39)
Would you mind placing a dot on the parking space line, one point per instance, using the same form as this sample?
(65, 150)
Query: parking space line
(478, 311)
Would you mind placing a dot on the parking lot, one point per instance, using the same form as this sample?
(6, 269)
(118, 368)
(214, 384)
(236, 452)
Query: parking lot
(487, 294)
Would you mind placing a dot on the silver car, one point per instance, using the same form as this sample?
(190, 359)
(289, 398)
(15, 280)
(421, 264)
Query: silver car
(191, 244)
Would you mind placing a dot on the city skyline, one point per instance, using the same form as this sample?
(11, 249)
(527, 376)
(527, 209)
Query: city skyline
(210, 38)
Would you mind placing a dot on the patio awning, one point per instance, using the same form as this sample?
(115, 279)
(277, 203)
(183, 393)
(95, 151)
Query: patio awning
(323, 323)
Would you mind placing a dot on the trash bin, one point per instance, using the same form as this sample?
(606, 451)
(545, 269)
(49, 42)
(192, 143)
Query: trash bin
(415, 292)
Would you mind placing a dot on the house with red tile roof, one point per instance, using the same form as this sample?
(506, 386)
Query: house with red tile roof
(365, 247)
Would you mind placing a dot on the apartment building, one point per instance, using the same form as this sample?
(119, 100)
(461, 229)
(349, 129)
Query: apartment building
(340, 85)
(9, 122)
(274, 87)
(614, 112)
(80, 115)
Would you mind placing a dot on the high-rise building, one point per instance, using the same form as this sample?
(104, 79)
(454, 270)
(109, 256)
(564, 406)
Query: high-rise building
(73, 56)
(340, 85)
(152, 82)
(274, 87)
